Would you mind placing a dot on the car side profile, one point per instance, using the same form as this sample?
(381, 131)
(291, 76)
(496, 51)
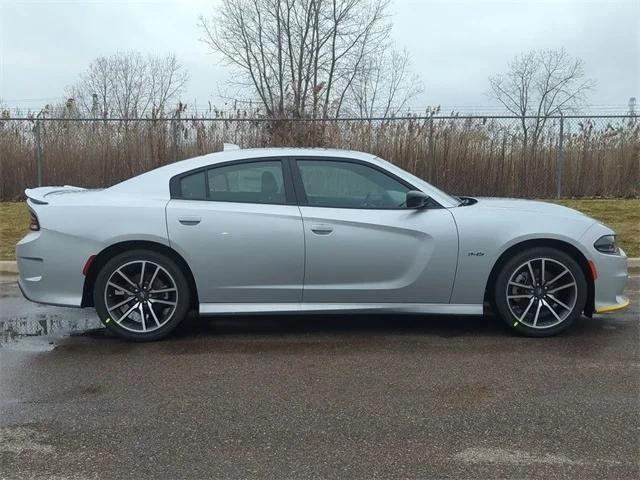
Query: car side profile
(310, 230)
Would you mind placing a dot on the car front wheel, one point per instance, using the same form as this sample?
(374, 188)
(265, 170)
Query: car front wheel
(540, 292)
(141, 295)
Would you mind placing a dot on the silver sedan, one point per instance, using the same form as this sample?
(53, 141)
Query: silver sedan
(309, 230)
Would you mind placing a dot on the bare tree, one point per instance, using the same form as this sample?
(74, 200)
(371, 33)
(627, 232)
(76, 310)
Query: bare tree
(128, 85)
(383, 85)
(167, 79)
(301, 57)
(540, 84)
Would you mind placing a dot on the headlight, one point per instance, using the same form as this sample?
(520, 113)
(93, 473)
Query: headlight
(607, 244)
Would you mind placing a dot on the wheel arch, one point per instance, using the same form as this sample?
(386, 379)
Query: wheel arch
(561, 245)
(103, 257)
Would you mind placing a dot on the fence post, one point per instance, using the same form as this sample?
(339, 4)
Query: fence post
(430, 151)
(175, 134)
(560, 159)
(174, 140)
(37, 144)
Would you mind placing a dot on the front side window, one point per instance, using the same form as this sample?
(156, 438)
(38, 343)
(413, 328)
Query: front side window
(256, 182)
(332, 183)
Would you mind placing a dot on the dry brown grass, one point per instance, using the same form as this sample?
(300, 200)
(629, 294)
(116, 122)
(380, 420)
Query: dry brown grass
(14, 224)
(464, 156)
(622, 215)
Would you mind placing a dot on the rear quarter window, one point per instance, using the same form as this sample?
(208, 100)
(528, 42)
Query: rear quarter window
(192, 187)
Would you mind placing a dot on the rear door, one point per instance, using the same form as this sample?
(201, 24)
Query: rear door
(363, 245)
(238, 227)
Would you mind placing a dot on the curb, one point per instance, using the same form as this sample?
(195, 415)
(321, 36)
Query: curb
(11, 267)
(8, 267)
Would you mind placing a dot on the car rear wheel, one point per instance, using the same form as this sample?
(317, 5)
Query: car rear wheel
(141, 295)
(540, 292)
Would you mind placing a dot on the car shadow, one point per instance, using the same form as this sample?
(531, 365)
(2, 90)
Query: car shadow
(290, 334)
(443, 326)
(239, 325)
(353, 324)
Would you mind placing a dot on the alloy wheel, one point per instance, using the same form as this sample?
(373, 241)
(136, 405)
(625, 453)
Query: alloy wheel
(541, 293)
(141, 296)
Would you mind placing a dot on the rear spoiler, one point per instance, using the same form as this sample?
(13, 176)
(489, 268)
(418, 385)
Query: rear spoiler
(38, 195)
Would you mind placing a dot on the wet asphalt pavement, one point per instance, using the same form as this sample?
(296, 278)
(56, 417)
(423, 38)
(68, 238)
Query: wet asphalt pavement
(317, 397)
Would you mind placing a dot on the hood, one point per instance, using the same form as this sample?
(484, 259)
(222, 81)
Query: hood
(532, 206)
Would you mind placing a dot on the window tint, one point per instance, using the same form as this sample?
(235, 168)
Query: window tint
(329, 183)
(193, 186)
(256, 182)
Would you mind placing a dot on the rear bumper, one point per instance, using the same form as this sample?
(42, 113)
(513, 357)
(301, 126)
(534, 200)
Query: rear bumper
(50, 268)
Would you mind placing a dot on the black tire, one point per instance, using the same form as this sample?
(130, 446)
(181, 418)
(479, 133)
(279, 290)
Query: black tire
(541, 297)
(161, 312)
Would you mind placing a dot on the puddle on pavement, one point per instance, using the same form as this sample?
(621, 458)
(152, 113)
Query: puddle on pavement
(33, 327)
(39, 332)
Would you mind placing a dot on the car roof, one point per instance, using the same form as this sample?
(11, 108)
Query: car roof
(249, 153)
(156, 182)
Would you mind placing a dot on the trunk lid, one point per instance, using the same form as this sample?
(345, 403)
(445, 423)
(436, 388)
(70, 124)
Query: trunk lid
(43, 195)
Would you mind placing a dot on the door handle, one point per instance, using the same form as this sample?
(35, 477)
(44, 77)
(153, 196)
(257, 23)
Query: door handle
(321, 229)
(189, 220)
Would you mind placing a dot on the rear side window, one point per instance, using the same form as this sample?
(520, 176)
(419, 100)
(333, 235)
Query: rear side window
(193, 187)
(250, 182)
(258, 182)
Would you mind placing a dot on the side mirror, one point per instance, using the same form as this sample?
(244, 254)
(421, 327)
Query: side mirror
(416, 199)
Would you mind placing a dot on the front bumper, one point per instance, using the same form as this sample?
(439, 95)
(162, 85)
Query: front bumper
(612, 273)
(624, 303)
(610, 284)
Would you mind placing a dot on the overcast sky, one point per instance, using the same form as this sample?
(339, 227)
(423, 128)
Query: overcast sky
(454, 44)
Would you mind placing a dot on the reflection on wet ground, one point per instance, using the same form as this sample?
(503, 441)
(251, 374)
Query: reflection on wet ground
(32, 326)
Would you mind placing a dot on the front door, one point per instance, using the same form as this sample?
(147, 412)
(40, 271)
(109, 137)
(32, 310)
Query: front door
(364, 246)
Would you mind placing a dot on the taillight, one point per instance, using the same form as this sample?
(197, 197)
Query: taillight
(34, 224)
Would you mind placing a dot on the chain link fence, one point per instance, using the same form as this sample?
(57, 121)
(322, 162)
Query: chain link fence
(568, 156)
